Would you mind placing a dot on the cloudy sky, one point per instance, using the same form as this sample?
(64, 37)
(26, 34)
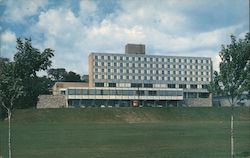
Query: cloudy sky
(167, 27)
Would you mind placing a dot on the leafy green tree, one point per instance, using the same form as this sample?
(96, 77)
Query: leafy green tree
(10, 86)
(57, 74)
(61, 75)
(29, 61)
(234, 68)
(72, 77)
(214, 86)
(10, 90)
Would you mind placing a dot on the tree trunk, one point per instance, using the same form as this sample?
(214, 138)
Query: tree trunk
(9, 117)
(232, 137)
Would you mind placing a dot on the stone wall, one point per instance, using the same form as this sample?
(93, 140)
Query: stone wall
(51, 101)
(198, 102)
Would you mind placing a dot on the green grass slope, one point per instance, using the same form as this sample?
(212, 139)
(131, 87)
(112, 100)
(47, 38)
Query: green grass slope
(127, 133)
(130, 115)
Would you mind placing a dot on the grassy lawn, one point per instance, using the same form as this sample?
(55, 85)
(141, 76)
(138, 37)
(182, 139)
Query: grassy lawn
(127, 133)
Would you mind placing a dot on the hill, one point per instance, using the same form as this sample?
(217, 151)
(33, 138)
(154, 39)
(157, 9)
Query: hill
(129, 114)
(127, 133)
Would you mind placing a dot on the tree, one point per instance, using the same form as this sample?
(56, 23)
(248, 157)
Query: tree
(29, 61)
(61, 75)
(57, 75)
(72, 77)
(10, 90)
(233, 78)
(214, 86)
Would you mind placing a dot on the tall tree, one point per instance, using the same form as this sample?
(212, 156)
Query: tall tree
(72, 77)
(57, 74)
(29, 61)
(10, 86)
(234, 68)
(10, 90)
(214, 86)
(61, 75)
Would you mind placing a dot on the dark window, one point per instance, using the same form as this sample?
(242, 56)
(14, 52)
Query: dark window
(112, 84)
(152, 93)
(136, 85)
(193, 86)
(140, 93)
(171, 85)
(182, 86)
(192, 95)
(99, 84)
(205, 86)
(203, 95)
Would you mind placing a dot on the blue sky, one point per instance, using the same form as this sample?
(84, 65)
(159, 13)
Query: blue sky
(78, 27)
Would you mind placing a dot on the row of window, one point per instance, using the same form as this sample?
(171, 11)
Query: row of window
(149, 85)
(162, 72)
(151, 78)
(123, 92)
(151, 59)
(195, 95)
(148, 65)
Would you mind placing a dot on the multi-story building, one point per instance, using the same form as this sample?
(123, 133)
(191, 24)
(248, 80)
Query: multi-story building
(135, 78)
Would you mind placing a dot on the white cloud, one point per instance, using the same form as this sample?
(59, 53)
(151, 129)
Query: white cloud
(17, 10)
(160, 26)
(8, 43)
(87, 6)
(8, 36)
